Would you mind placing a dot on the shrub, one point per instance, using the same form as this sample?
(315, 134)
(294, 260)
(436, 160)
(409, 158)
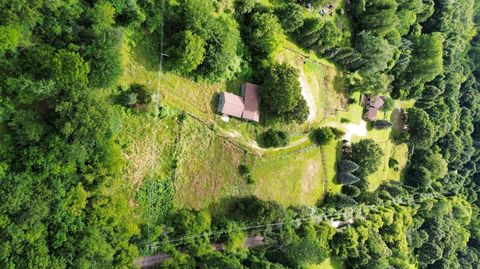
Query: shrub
(243, 169)
(136, 94)
(323, 136)
(339, 133)
(388, 104)
(381, 124)
(274, 138)
(344, 120)
(393, 164)
(143, 96)
(249, 179)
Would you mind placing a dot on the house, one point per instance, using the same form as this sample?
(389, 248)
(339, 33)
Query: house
(244, 107)
(373, 105)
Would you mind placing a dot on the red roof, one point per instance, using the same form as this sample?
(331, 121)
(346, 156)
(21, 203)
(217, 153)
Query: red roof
(251, 102)
(233, 105)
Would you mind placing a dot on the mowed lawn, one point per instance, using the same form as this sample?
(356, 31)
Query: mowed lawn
(291, 179)
(207, 168)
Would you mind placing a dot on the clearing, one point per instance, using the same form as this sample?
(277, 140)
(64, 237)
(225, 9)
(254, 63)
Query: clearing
(207, 167)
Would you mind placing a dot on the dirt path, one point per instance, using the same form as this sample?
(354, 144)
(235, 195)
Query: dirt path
(307, 95)
(352, 130)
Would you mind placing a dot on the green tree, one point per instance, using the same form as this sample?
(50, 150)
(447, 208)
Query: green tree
(103, 56)
(188, 52)
(420, 130)
(323, 135)
(282, 93)
(388, 104)
(274, 138)
(344, 243)
(346, 178)
(346, 166)
(381, 124)
(376, 50)
(291, 16)
(10, 36)
(367, 154)
(265, 35)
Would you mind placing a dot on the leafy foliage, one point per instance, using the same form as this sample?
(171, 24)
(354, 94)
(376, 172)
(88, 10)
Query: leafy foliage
(281, 96)
(274, 138)
(323, 135)
(420, 130)
(366, 154)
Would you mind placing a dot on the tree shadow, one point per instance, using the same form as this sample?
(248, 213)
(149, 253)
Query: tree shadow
(214, 102)
(339, 156)
(396, 118)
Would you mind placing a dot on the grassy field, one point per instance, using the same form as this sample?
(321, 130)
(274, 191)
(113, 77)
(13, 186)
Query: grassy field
(145, 154)
(291, 179)
(207, 168)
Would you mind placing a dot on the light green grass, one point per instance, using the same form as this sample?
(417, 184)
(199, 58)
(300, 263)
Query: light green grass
(207, 168)
(145, 154)
(293, 179)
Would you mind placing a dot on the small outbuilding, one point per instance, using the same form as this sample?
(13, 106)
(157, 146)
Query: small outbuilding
(244, 107)
(373, 105)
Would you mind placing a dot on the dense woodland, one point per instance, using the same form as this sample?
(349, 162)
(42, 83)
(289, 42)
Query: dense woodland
(62, 207)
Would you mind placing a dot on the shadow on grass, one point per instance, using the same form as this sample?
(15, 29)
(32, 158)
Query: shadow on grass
(214, 102)
(396, 118)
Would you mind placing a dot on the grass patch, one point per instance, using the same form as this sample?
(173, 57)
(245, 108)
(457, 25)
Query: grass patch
(293, 179)
(145, 155)
(207, 168)
(154, 198)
